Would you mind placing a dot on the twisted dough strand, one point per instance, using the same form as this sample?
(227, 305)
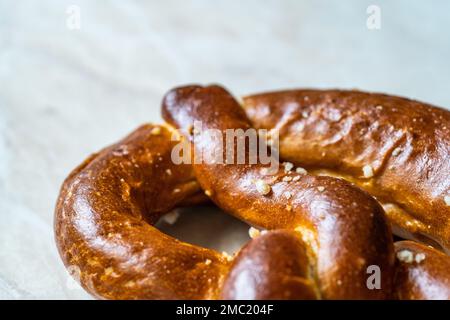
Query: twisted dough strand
(395, 148)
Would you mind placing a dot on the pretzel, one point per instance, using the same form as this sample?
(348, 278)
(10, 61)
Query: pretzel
(394, 148)
(322, 241)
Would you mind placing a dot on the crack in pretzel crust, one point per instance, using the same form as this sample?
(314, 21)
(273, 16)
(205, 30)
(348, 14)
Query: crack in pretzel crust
(318, 244)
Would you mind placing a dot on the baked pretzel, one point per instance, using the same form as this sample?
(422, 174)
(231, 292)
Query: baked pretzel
(321, 247)
(396, 149)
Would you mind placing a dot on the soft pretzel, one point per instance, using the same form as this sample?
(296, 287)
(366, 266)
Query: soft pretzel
(396, 149)
(323, 243)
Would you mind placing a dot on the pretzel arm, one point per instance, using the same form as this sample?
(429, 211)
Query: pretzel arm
(394, 148)
(344, 228)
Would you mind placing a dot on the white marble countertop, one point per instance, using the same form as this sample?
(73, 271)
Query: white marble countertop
(65, 93)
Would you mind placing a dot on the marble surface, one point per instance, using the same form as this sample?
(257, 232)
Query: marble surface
(65, 93)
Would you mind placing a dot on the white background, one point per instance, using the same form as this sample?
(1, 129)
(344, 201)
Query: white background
(66, 93)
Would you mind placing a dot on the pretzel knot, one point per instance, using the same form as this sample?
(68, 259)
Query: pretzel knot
(324, 237)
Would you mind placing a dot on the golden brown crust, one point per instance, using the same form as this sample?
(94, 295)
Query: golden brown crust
(344, 227)
(422, 273)
(396, 149)
(275, 265)
(104, 217)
